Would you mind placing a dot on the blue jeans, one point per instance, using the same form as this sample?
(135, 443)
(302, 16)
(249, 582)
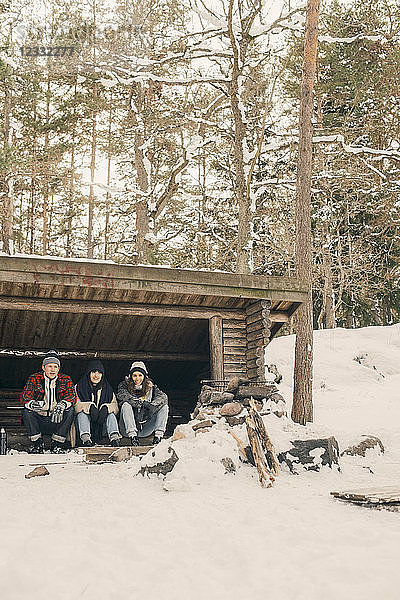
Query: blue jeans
(157, 422)
(110, 426)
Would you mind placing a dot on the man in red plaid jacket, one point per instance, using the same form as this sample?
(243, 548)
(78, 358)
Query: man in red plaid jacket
(48, 398)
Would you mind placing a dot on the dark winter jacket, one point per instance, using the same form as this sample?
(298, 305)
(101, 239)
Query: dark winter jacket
(144, 406)
(99, 395)
(35, 387)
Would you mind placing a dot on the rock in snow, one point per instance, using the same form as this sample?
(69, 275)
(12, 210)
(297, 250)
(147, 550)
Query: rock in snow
(369, 442)
(38, 472)
(311, 455)
(159, 464)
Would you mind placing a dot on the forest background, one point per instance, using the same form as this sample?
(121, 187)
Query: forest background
(165, 132)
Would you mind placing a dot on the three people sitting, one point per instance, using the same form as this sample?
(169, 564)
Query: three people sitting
(51, 402)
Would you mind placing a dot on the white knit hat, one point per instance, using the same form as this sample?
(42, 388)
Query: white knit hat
(138, 365)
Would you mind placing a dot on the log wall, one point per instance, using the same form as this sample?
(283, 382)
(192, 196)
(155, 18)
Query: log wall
(258, 334)
(234, 343)
(244, 342)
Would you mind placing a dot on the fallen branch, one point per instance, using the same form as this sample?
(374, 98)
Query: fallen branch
(261, 447)
(240, 444)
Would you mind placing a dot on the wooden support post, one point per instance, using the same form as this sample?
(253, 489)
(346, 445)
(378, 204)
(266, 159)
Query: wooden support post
(216, 348)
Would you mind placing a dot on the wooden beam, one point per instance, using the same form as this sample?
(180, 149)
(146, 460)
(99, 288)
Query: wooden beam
(116, 308)
(278, 317)
(110, 276)
(106, 355)
(216, 348)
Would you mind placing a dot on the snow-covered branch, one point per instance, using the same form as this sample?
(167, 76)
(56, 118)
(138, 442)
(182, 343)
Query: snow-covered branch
(339, 138)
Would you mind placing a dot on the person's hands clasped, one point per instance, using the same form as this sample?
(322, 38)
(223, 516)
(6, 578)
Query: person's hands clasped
(93, 412)
(103, 414)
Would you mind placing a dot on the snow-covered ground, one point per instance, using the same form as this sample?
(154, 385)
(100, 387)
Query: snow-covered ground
(101, 532)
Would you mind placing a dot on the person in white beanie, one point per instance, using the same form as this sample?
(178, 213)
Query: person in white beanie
(143, 406)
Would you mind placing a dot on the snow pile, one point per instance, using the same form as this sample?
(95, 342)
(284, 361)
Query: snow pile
(100, 532)
(356, 380)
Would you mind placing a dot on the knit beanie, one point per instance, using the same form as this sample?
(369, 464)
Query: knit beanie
(51, 357)
(138, 365)
(95, 365)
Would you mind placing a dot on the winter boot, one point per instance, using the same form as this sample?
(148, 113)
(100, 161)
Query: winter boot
(57, 447)
(115, 443)
(37, 447)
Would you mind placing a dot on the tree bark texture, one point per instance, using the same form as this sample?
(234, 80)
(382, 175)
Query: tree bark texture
(142, 208)
(46, 174)
(302, 409)
(7, 180)
(92, 175)
(243, 238)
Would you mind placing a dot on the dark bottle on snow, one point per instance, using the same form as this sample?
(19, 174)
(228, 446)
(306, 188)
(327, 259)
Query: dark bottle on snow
(3, 441)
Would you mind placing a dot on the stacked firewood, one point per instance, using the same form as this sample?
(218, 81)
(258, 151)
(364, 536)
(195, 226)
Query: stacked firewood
(232, 402)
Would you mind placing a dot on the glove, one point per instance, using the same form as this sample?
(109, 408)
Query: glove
(36, 404)
(103, 414)
(58, 412)
(93, 412)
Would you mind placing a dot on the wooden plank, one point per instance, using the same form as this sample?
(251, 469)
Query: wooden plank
(381, 495)
(255, 373)
(112, 276)
(255, 363)
(115, 308)
(235, 352)
(233, 325)
(260, 343)
(257, 306)
(235, 343)
(279, 317)
(255, 353)
(257, 326)
(237, 361)
(216, 348)
(235, 373)
(239, 335)
(109, 355)
(10, 393)
(108, 453)
(257, 316)
(260, 335)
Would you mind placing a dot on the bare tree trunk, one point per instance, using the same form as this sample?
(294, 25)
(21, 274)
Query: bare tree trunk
(93, 149)
(92, 176)
(302, 409)
(68, 249)
(31, 217)
(109, 155)
(327, 313)
(46, 172)
(70, 217)
(8, 215)
(7, 181)
(142, 211)
(243, 238)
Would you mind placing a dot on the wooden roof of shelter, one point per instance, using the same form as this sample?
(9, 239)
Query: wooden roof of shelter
(81, 305)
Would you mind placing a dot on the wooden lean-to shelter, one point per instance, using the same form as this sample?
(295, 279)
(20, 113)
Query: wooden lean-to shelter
(186, 325)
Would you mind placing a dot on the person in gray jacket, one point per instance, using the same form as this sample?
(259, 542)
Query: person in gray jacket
(143, 406)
